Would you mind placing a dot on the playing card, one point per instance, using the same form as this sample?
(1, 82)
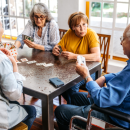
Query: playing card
(24, 60)
(27, 37)
(39, 64)
(31, 62)
(6, 45)
(47, 65)
(18, 62)
(60, 49)
(13, 52)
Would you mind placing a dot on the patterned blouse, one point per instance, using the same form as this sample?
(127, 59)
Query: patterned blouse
(49, 38)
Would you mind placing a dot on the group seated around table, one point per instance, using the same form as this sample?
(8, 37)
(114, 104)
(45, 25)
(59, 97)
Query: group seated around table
(78, 40)
(115, 96)
(11, 85)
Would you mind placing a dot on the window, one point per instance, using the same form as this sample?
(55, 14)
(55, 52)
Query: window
(110, 17)
(14, 14)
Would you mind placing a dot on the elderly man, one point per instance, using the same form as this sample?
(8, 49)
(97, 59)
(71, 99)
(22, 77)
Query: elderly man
(116, 95)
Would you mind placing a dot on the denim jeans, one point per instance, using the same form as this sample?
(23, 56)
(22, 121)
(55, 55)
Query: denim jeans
(29, 119)
(68, 94)
(80, 106)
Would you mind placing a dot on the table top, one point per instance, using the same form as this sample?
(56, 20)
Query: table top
(37, 77)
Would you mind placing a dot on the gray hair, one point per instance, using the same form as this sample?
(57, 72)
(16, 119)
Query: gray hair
(40, 8)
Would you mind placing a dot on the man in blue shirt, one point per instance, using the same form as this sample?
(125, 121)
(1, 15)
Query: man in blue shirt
(116, 95)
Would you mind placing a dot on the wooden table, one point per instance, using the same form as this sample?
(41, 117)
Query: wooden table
(37, 78)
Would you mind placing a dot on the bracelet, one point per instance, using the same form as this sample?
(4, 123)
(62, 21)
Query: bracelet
(86, 78)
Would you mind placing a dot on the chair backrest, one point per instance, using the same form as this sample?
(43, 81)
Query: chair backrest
(62, 32)
(104, 48)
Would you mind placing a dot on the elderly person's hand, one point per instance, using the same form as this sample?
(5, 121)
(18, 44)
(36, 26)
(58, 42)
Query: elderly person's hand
(68, 55)
(30, 44)
(56, 50)
(5, 51)
(82, 70)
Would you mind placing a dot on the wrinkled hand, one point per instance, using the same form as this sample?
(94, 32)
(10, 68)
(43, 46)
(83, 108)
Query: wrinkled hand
(56, 50)
(30, 44)
(88, 96)
(5, 51)
(82, 70)
(68, 55)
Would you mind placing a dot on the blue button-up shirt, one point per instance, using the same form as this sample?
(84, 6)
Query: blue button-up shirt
(116, 95)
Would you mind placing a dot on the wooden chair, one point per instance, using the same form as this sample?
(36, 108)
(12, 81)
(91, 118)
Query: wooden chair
(104, 41)
(62, 32)
(20, 126)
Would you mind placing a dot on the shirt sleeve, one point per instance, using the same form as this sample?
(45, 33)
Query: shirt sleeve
(11, 87)
(27, 31)
(93, 39)
(117, 89)
(110, 76)
(54, 36)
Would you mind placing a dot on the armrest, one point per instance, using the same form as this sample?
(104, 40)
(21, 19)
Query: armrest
(76, 117)
(112, 112)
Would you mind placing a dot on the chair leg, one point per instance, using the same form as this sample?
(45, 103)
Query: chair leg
(60, 99)
(88, 127)
(23, 98)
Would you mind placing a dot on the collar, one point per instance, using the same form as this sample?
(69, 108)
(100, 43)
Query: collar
(128, 61)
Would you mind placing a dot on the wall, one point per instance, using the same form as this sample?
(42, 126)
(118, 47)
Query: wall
(67, 7)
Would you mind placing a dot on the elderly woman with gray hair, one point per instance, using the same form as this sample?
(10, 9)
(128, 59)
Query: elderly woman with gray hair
(42, 28)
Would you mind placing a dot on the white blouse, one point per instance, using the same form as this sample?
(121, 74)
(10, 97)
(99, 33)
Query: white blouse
(49, 38)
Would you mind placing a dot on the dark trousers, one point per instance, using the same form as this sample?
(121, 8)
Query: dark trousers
(29, 119)
(80, 106)
(68, 94)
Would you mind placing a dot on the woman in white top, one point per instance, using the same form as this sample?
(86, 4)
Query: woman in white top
(42, 28)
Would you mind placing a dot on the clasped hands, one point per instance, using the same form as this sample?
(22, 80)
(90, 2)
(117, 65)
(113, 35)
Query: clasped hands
(65, 54)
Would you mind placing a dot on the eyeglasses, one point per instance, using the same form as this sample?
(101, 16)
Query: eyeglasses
(122, 38)
(41, 17)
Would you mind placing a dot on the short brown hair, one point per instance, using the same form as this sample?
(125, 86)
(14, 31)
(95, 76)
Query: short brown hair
(75, 19)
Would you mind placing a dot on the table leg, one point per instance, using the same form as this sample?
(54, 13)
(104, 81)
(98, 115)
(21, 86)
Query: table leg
(47, 114)
(98, 73)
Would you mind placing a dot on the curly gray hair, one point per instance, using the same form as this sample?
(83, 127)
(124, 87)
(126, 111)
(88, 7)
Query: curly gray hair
(40, 8)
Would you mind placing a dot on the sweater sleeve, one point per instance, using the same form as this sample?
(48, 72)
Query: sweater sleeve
(11, 87)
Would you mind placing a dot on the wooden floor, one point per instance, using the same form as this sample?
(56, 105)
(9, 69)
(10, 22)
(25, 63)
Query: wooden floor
(37, 125)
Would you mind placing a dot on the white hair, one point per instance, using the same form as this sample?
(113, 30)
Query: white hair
(42, 9)
(128, 32)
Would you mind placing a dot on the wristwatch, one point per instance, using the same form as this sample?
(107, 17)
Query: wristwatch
(86, 78)
(0, 42)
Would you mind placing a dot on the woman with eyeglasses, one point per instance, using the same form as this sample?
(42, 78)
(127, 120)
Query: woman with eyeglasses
(78, 40)
(42, 28)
